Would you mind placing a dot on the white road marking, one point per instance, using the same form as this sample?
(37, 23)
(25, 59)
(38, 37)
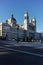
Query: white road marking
(25, 52)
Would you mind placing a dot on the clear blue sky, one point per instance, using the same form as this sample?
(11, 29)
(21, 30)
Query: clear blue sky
(18, 8)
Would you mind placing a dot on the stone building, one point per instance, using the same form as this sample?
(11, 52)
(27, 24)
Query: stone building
(10, 30)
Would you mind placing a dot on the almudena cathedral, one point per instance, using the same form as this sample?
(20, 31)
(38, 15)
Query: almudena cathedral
(10, 30)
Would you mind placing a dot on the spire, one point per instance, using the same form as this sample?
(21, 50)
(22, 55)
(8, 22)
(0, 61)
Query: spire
(26, 12)
(26, 15)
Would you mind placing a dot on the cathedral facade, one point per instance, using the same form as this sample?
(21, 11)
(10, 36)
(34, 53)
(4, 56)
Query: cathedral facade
(10, 30)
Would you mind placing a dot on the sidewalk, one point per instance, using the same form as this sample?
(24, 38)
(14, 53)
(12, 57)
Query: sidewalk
(37, 45)
(30, 44)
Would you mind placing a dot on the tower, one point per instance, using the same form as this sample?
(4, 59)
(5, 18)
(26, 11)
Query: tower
(33, 21)
(26, 21)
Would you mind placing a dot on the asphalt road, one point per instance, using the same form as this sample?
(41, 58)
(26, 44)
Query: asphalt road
(11, 55)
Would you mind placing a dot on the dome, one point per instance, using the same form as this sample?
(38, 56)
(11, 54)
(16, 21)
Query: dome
(12, 17)
(34, 19)
(12, 20)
